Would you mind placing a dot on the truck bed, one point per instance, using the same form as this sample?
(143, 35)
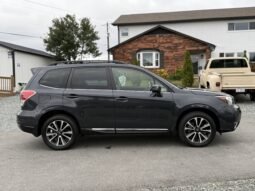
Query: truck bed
(238, 81)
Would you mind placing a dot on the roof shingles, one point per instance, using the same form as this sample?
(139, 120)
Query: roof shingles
(186, 16)
(25, 49)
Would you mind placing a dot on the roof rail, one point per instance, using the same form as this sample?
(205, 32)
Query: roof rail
(87, 62)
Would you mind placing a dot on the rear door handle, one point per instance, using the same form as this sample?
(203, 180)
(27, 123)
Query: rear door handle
(121, 99)
(72, 96)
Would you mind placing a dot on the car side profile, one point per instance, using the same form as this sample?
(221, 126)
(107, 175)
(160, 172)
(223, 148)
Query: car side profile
(61, 102)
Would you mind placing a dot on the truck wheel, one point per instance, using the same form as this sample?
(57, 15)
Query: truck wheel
(197, 129)
(59, 132)
(208, 85)
(252, 96)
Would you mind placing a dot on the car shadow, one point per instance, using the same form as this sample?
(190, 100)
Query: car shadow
(129, 141)
(242, 98)
(136, 140)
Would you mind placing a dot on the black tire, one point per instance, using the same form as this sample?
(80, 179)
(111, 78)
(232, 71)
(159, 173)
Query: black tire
(252, 96)
(201, 130)
(63, 128)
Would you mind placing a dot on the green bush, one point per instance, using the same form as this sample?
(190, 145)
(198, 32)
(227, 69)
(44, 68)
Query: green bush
(177, 75)
(162, 73)
(187, 72)
(135, 62)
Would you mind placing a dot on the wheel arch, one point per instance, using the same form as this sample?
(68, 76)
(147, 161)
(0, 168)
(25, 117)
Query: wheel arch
(198, 109)
(52, 113)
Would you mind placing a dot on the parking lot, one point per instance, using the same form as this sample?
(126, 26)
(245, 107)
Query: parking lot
(158, 162)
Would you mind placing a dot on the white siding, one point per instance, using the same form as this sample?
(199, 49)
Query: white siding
(215, 32)
(23, 64)
(5, 63)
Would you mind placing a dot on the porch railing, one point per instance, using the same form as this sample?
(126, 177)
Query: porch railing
(6, 86)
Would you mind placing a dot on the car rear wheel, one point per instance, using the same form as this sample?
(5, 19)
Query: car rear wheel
(59, 132)
(197, 129)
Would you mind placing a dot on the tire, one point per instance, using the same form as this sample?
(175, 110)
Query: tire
(252, 96)
(208, 85)
(197, 129)
(59, 132)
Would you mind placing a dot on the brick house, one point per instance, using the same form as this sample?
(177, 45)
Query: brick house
(159, 40)
(161, 47)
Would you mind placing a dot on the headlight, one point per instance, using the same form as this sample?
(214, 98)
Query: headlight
(227, 99)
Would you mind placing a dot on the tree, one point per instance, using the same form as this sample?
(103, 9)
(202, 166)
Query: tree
(187, 73)
(68, 39)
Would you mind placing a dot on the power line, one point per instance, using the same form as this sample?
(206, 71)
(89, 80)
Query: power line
(24, 35)
(45, 5)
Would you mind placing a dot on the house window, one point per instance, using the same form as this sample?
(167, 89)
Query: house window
(149, 59)
(124, 31)
(252, 25)
(231, 54)
(241, 26)
(252, 57)
(240, 54)
(221, 54)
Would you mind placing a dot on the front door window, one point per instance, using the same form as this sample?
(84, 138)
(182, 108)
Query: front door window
(134, 80)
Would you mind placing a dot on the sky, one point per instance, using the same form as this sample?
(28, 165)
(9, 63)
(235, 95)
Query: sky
(34, 17)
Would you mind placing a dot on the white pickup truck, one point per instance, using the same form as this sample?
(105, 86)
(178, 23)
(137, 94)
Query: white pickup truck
(231, 75)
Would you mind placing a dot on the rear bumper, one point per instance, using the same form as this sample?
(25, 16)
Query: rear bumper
(231, 119)
(27, 123)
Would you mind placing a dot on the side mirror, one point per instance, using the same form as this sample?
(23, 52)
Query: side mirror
(156, 90)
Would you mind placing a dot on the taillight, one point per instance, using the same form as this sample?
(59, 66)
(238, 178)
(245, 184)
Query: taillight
(26, 95)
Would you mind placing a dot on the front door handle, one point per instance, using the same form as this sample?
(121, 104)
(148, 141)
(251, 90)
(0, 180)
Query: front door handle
(121, 99)
(72, 96)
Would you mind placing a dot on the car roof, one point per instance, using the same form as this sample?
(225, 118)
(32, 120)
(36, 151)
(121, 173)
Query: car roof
(61, 65)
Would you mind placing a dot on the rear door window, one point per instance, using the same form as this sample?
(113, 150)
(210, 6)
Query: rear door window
(56, 78)
(90, 78)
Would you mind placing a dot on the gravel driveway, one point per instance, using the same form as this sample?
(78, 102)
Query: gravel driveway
(141, 163)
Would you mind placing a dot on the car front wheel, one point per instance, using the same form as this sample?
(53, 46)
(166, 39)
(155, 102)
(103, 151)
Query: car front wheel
(197, 129)
(59, 132)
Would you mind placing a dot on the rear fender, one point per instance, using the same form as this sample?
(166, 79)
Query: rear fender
(212, 80)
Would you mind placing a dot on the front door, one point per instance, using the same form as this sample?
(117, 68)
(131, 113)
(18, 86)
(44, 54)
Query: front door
(198, 62)
(136, 109)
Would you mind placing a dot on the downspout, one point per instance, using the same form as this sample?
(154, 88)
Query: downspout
(118, 34)
(13, 67)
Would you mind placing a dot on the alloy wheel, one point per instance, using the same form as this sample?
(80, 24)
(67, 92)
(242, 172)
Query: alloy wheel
(59, 133)
(197, 130)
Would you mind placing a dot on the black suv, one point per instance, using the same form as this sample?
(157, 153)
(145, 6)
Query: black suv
(62, 101)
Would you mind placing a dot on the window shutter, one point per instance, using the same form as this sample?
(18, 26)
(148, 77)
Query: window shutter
(161, 59)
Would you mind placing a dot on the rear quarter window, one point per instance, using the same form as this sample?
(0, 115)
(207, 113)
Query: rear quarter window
(56, 78)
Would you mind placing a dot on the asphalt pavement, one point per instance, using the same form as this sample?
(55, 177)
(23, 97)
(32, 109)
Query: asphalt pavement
(149, 162)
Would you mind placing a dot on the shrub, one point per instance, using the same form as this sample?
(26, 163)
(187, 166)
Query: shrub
(177, 75)
(187, 77)
(135, 62)
(162, 73)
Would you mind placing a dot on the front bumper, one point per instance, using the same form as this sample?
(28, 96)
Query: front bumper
(231, 120)
(27, 123)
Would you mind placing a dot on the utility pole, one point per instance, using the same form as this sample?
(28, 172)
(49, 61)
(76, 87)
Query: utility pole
(108, 40)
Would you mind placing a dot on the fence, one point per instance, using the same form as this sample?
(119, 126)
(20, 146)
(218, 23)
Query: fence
(6, 86)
